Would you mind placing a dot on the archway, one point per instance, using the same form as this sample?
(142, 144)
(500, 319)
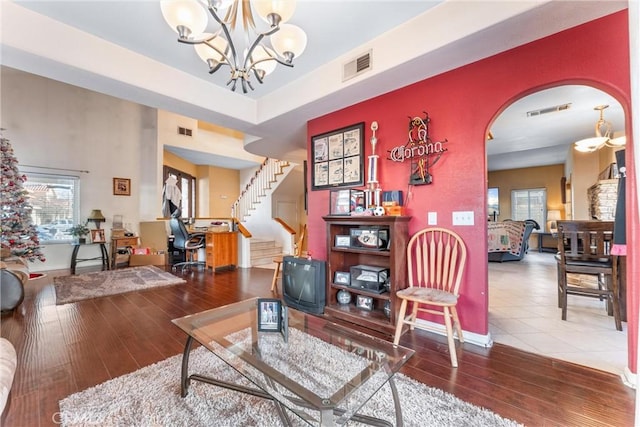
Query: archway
(532, 148)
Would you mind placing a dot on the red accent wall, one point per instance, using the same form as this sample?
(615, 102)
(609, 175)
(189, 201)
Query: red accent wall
(461, 104)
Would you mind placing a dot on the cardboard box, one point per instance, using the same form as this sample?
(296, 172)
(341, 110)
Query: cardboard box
(148, 259)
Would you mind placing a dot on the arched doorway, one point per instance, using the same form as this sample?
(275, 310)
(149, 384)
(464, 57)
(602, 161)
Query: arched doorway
(530, 148)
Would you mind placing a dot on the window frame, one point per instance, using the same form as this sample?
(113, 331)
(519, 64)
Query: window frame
(39, 177)
(540, 219)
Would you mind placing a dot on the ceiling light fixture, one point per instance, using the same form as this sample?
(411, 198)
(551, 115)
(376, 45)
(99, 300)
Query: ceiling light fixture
(603, 135)
(189, 19)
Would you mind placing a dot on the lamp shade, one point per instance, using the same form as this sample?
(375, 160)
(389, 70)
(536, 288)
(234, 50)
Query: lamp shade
(553, 215)
(96, 216)
(290, 41)
(282, 8)
(188, 13)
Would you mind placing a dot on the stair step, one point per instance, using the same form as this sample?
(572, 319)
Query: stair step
(263, 251)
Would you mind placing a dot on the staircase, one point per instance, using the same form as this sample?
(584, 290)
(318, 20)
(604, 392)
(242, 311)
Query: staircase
(259, 251)
(263, 251)
(251, 197)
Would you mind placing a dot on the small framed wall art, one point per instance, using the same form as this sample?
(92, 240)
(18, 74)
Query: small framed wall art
(121, 186)
(337, 158)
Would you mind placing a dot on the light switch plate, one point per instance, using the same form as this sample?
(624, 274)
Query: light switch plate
(432, 218)
(462, 218)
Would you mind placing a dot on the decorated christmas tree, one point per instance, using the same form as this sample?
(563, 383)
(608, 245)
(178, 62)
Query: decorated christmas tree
(18, 235)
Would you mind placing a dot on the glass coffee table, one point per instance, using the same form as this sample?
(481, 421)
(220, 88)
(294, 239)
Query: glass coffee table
(323, 372)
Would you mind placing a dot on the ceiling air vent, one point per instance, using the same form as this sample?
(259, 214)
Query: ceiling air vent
(184, 131)
(547, 110)
(356, 66)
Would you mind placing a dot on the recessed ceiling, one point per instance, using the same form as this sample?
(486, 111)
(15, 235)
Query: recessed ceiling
(125, 49)
(520, 140)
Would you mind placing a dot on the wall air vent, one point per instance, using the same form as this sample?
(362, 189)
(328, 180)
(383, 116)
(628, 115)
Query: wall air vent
(356, 66)
(547, 110)
(184, 131)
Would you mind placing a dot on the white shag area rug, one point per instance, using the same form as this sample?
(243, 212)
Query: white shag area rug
(151, 396)
(79, 287)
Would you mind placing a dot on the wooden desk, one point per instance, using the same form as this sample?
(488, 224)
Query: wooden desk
(104, 256)
(221, 249)
(119, 243)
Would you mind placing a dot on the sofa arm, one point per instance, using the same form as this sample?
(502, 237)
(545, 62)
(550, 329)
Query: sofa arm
(8, 362)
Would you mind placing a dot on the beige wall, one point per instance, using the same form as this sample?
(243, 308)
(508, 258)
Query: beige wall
(517, 179)
(224, 189)
(179, 163)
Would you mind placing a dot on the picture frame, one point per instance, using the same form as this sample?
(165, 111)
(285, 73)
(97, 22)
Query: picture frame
(337, 158)
(343, 202)
(269, 315)
(342, 278)
(343, 241)
(97, 236)
(364, 302)
(121, 186)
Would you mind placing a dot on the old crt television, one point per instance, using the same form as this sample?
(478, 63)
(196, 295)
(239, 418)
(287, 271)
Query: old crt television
(304, 284)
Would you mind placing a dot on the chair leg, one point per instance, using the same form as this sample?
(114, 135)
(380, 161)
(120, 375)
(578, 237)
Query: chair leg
(414, 315)
(400, 321)
(452, 344)
(564, 296)
(456, 323)
(615, 295)
(274, 281)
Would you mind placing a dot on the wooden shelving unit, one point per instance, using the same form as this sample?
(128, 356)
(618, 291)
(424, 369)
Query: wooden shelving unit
(343, 258)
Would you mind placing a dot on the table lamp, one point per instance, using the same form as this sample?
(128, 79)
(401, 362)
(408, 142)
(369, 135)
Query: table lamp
(97, 217)
(552, 217)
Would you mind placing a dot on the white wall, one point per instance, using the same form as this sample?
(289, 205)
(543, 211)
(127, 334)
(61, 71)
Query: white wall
(55, 125)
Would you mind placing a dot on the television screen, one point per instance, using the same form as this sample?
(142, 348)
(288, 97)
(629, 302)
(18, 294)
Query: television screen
(303, 284)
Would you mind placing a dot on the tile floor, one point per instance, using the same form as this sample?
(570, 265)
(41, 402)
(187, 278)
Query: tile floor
(523, 313)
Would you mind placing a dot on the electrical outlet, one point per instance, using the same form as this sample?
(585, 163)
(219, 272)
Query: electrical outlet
(462, 218)
(432, 218)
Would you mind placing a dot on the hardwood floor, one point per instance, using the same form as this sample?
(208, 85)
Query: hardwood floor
(65, 349)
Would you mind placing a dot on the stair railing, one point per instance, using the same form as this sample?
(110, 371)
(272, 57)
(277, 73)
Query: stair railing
(262, 180)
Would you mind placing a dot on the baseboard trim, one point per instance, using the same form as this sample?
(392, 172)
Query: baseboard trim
(469, 337)
(629, 378)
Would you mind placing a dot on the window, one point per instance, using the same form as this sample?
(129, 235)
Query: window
(55, 203)
(529, 204)
(187, 185)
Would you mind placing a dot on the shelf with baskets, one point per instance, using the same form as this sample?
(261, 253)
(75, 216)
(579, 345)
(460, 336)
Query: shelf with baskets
(366, 257)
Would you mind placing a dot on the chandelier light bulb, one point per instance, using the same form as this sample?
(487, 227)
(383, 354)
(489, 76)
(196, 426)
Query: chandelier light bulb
(274, 12)
(206, 53)
(184, 13)
(290, 41)
(261, 57)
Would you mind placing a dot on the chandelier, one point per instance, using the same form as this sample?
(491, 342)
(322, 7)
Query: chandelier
(604, 135)
(189, 19)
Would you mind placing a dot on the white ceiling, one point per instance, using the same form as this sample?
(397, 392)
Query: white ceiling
(125, 49)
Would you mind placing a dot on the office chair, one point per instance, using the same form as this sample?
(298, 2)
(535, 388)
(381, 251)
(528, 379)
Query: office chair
(188, 242)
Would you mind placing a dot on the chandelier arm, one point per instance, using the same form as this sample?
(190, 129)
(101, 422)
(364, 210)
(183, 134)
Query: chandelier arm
(223, 54)
(224, 28)
(257, 74)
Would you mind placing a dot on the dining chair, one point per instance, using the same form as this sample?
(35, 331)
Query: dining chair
(436, 259)
(584, 248)
(278, 259)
